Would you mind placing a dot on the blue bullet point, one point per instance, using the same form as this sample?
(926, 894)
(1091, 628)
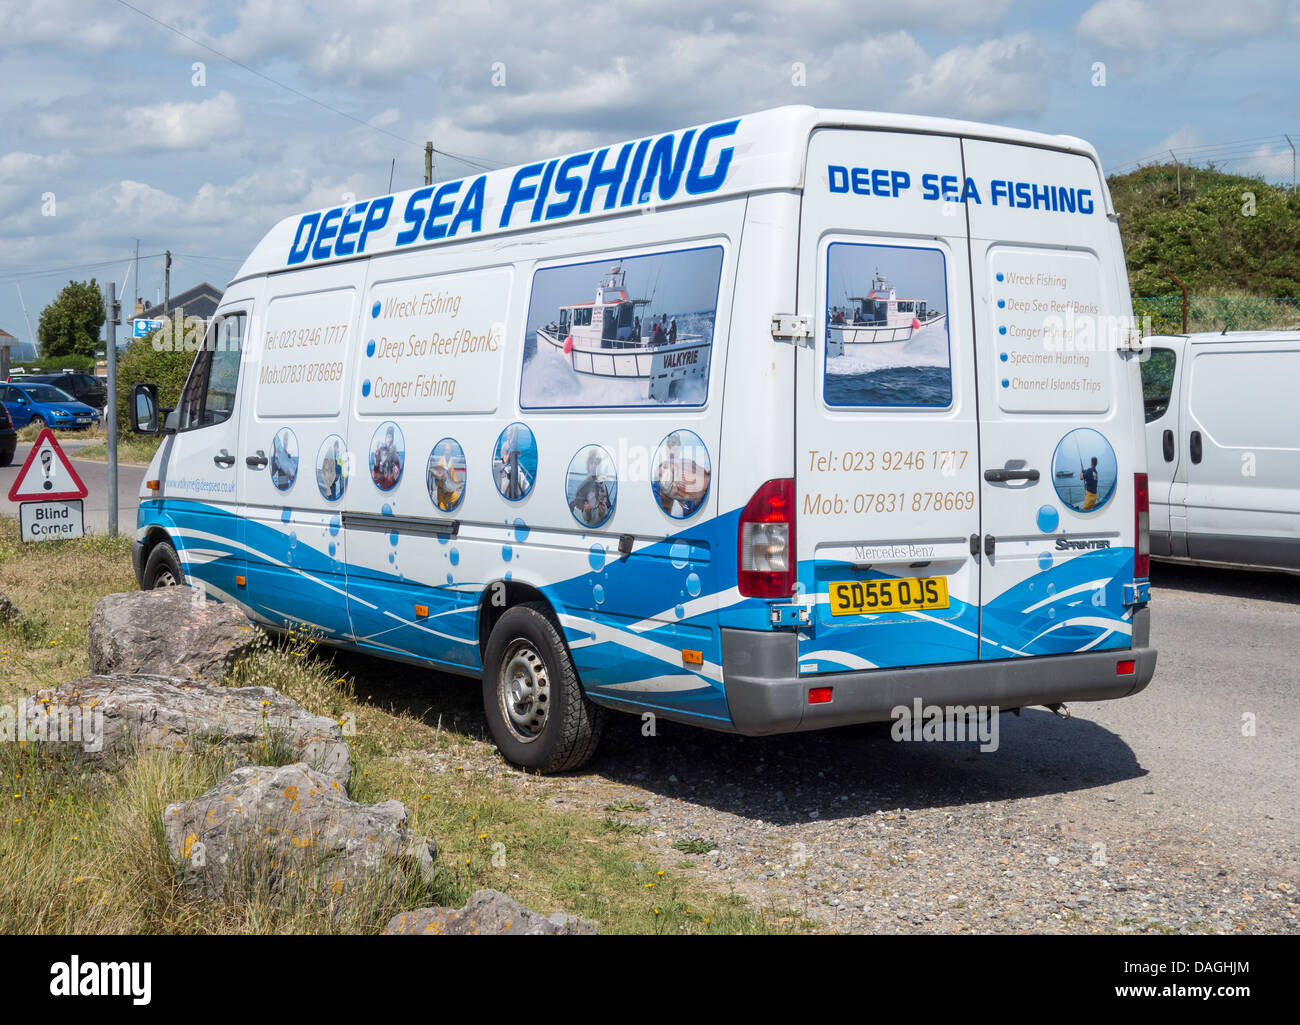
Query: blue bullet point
(1006, 383)
(999, 277)
(1002, 304)
(365, 388)
(370, 347)
(374, 310)
(1003, 357)
(1002, 330)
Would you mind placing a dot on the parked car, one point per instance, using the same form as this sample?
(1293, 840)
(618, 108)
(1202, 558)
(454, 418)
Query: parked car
(1223, 448)
(8, 437)
(85, 388)
(46, 406)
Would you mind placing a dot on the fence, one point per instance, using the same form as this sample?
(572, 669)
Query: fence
(1215, 313)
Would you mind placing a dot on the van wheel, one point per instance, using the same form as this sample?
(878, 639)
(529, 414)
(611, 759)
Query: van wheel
(537, 711)
(163, 567)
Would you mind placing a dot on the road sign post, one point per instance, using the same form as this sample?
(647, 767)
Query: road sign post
(110, 414)
(50, 492)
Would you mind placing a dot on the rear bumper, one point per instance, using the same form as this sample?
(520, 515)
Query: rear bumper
(765, 695)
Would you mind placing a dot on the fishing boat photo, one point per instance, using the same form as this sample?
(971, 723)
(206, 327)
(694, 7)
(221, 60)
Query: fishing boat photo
(878, 318)
(616, 336)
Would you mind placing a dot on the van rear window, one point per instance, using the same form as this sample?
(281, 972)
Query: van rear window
(624, 331)
(886, 327)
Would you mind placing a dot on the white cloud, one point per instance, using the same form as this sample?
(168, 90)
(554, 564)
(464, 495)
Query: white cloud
(184, 125)
(997, 78)
(1152, 24)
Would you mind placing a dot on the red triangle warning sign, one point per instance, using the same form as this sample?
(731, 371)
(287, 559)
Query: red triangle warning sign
(47, 476)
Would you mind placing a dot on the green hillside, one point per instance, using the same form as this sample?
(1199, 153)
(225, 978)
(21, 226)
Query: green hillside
(1208, 239)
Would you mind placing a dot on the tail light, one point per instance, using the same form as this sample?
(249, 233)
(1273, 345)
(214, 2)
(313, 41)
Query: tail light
(1141, 527)
(765, 553)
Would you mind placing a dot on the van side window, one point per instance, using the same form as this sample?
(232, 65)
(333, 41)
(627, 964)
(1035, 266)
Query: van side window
(1158, 382)
(209, 394)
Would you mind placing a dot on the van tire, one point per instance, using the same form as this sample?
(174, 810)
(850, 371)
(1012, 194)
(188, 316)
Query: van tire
(527, 642)
(163, 567)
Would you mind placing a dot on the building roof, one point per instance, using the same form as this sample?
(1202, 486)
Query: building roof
(199, 301)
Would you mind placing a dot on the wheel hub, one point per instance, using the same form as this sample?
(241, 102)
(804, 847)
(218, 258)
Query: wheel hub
(524, 687)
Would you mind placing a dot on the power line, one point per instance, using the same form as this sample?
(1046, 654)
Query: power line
(479, 162)
(8, 277)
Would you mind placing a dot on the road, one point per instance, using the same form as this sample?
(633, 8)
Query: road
(94, 474)
(1176, 810)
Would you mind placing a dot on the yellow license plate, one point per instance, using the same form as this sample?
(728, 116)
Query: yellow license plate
(906, 594)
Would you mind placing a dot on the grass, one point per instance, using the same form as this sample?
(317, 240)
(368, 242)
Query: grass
(131, 448)
(83, 852)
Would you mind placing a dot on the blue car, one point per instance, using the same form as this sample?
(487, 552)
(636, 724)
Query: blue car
(46, 406)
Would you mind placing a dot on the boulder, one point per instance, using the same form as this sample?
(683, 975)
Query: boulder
(287, 831)
(121, 714)
(487, 913)
(170, 631)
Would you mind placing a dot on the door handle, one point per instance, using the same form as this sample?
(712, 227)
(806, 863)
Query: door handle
(974, 544)
(1000, 476)
(257, 461)
(1168, 442)
(1195, 446)
(990, 543)
(225, 459)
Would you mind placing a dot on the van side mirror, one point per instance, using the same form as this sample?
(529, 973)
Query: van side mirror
(144, 409)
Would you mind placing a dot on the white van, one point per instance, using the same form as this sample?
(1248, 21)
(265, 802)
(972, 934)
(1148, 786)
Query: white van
(1223, 446)
(771, 424)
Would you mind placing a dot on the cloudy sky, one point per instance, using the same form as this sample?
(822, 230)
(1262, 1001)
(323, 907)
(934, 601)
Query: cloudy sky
(110, 133)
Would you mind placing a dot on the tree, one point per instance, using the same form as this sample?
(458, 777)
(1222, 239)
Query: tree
(70, 324)
(143, 361)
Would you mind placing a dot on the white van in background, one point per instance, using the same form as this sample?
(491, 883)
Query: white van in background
(772, 424)
(1223, 447)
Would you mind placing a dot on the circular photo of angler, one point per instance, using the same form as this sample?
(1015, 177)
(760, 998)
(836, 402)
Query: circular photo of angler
(514, 462)
(591, 486)
(331, 468)
(445, 475)
(1084, 470)
(680, 473)
(387, 455)
(284, 459)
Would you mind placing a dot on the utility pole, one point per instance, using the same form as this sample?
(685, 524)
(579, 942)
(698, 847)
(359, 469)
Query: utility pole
(167, 282)
(135, 278)
(110, 414)
(1179, 170)
(1292, 145)
(428, 162)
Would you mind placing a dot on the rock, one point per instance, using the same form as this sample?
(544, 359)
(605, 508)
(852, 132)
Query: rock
(289, 830)
(122, 714)
(170, 631)
(487, 913)
(8, 610)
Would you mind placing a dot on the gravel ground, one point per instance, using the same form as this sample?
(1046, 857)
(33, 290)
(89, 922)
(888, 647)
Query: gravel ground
(1149, 815)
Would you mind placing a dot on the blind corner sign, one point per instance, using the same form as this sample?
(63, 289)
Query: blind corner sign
(47, 475)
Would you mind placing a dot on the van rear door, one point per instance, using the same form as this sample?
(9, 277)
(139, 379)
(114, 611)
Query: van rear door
(1059, 407)
(886, 462)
